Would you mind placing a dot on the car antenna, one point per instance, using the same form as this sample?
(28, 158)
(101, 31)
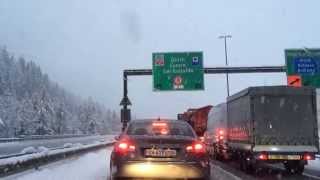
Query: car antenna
(158, 118)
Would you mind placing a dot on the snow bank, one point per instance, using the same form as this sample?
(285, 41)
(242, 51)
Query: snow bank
(43, 149)
(91, 166)
(314, 165)
(78, 145)
(46, 153)
(67, 145)
(29, 150)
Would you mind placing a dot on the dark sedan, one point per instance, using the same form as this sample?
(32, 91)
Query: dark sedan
(161, 149)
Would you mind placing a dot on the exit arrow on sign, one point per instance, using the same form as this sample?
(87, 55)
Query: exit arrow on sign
(294, 80)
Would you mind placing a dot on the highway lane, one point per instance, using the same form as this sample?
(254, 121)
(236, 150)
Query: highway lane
(90, 166)
(270, 172)
(16, 147)
(95, 166)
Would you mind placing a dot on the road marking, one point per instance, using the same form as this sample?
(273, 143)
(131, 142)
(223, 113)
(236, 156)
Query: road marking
(228, 173)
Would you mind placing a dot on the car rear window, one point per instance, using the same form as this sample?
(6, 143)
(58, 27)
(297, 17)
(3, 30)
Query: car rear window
(160, 128)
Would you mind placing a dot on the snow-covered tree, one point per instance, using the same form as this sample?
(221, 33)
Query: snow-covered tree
(30, 103)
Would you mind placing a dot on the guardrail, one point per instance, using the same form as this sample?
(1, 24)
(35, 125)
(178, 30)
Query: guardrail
(23, 162)
(38, 137)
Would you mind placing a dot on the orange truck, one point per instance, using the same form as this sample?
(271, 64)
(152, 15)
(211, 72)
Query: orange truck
(197, 118)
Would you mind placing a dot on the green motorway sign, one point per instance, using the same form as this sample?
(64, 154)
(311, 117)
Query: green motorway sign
(177, 71)
(305, 64)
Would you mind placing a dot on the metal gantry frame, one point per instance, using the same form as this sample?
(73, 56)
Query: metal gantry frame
(125, 102)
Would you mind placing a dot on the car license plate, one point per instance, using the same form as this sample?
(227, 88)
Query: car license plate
(284, 157)
(160, 153)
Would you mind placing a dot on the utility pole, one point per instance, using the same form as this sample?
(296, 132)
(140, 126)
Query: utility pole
(226, 55)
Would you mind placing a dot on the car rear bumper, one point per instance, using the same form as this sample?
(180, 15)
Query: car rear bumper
(161, 170)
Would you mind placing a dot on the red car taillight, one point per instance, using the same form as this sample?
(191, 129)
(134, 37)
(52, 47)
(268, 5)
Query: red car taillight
(197, 147)
(124, 147)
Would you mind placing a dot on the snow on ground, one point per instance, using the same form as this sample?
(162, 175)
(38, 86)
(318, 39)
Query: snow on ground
(29, 150)
(40, 154)
(313, 165)
(90, 166)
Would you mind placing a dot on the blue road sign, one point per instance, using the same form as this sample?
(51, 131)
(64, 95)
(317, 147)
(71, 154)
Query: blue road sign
(306, 66)
(195, 60)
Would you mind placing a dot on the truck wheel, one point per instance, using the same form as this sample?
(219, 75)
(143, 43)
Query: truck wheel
(215, 154)
(246, 166)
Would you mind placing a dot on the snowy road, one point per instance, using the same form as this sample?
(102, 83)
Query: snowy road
(266, 172)
(91, 166)
(95, 166)
(17, 147)
(313, 169)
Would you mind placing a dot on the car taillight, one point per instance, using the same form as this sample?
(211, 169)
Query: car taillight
(124, 147)
(159, 124)
(221, 132)
(164, 131)
(308, 157)
(197, 147)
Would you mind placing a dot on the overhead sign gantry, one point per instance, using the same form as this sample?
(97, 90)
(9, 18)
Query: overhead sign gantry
(172, 80)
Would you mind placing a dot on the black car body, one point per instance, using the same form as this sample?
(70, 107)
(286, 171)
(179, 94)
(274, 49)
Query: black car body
(162, 149)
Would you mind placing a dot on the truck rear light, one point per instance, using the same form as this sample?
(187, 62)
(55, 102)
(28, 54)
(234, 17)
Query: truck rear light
(189, 148)
(308, 157)
(197, 147)
(263, 156)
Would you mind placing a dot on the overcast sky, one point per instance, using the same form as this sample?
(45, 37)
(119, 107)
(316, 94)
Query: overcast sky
(85, 44)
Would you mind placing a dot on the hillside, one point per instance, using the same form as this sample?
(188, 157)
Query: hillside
(32, 104)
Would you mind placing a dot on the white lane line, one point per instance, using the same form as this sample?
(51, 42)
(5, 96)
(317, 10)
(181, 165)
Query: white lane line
(228, 173)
